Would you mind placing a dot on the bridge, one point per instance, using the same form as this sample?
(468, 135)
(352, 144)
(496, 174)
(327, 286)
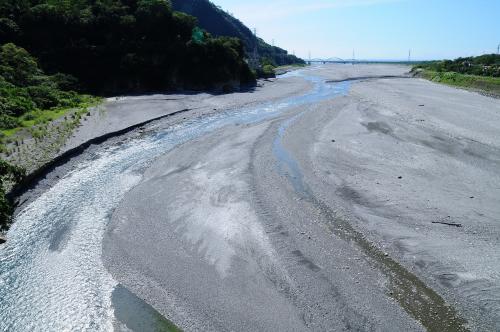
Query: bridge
(331, 60)
(356, 61)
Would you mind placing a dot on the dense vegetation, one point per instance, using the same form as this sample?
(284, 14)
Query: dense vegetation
(484, 65)
(220, 23)
(25, 90)
(122, 46)
(480, 73)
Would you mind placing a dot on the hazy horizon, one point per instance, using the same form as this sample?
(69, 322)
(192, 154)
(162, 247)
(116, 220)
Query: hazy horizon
(442, 29)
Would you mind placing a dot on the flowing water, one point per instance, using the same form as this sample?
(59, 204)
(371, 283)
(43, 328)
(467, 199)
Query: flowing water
(51, 274)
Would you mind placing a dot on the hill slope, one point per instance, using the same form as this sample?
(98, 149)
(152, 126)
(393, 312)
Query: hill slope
(219, 23)
(122, 46)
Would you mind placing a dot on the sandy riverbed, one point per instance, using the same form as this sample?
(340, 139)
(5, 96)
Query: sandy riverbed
(300, 205)
(392, 157)
(122, 112)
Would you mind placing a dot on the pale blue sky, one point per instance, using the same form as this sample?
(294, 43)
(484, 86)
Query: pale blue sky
(375, 29)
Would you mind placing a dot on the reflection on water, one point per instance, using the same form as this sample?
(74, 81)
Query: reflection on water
(133, 314)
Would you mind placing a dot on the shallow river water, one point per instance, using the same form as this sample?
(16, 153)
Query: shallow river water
(51, 274)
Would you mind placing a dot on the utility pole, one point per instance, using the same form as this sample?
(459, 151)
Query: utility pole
(409, 55)
(353, 57)
(255, 62)
(498, 49)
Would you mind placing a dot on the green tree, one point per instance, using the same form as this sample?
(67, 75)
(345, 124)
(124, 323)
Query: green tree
(17, 66)
(136, 45)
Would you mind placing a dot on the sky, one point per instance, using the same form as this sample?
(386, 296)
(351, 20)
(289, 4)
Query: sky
(374, 29)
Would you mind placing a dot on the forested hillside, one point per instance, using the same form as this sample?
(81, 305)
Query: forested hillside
(220, 23)
(122, 46)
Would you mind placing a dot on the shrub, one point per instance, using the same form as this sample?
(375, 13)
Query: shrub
(16, 103)
(8, 122)
(45, 97)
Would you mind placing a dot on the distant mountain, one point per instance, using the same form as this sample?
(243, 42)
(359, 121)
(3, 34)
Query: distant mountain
(220, 23)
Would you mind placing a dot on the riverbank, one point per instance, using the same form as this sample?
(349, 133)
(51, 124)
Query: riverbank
(117, 116)
(40, 139)
(281, 70)
(488, 86)
(68, 240)
(39, 142)
(121, 112)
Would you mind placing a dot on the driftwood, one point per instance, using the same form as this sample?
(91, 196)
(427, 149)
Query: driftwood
(447, 223)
